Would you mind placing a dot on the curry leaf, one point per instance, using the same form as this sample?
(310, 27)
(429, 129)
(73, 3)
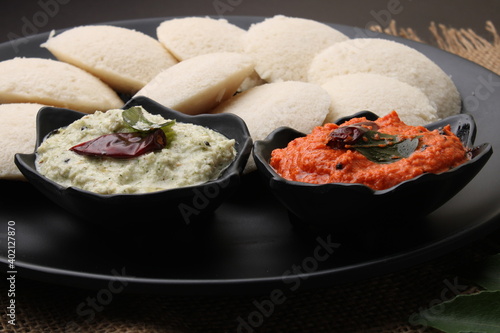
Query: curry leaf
(486, 273)
(135, 118)
(169, 132)
(385, 148)
(467, 313)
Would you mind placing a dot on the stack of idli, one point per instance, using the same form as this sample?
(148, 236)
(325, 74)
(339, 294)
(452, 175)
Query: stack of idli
(200, 83)
(190, 37)
(352, 74)
(212, 64)
(391, 59)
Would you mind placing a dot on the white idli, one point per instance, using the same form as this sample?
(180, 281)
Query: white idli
(189, 37)
(17, 135)
(55, 83)
(379, 94)
(123, 58)
(299, 105)
(198, 84)
(283, 47)
(389, 58)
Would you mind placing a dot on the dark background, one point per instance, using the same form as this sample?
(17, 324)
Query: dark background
(20, 18)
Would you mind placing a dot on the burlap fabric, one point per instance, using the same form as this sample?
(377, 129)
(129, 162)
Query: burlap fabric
(463, 42)
(390, 303)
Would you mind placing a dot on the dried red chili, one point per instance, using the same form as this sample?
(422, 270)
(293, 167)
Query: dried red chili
(122, 145)
(348, 135)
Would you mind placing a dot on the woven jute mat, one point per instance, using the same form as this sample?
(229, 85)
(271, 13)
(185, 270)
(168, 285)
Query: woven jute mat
(463, 42)
(390, 303)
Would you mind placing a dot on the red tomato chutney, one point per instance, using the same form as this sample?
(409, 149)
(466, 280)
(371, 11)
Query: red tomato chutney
(312, 159)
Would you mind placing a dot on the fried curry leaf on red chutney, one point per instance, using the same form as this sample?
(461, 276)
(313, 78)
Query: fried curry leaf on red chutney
(375, 146)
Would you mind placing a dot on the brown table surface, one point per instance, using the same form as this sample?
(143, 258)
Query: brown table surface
(382, 304)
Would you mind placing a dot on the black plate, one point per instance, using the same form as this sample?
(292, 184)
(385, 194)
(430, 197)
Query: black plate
(249, 245)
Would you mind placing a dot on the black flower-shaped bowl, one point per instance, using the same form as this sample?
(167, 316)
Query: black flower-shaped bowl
(343, 206)
(179, 206)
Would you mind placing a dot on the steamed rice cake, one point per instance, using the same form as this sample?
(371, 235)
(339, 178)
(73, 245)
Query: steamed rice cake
(389, 58)
(283, 47)
(123, 58)
(54, 83)
(189, 37)
(379, 94)
(17, 135)
(299, 105)
(199, 84)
